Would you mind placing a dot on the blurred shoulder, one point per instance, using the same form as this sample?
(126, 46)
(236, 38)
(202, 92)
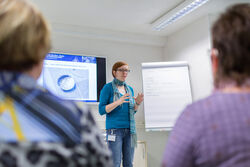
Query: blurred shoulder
(85, 113)
(57, 103)
(203, 101)
(200, 107)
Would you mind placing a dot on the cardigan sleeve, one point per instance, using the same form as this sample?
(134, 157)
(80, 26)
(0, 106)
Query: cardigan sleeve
(104, 98)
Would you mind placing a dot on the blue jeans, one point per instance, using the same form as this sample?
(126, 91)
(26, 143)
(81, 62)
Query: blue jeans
(121, 147)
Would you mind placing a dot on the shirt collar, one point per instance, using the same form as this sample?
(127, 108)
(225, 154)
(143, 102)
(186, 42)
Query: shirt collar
(9, 79)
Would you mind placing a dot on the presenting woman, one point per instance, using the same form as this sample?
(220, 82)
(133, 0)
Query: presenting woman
(117, 101)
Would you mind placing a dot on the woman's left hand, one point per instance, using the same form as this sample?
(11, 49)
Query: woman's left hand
(139, 98)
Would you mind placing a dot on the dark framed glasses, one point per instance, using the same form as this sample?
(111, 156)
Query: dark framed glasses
(123, 70)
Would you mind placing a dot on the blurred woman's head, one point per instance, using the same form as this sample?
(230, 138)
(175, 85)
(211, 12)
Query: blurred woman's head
(231, 39)
(120, 70)
(24, 35)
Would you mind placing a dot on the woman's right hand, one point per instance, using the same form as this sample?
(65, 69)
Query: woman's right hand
(112, 106)
(123, 99)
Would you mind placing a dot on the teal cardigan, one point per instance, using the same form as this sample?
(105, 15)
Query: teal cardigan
(119, 117)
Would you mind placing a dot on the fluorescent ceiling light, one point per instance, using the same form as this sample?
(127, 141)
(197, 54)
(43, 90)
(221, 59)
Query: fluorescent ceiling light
(177, 13)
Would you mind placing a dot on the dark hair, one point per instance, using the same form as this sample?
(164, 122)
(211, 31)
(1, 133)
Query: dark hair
(231, 37)
(117, 65)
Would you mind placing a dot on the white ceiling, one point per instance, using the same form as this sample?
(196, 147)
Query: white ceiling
(128, 16)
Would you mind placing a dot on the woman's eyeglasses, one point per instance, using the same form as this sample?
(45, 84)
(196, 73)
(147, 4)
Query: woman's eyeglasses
(123, 70)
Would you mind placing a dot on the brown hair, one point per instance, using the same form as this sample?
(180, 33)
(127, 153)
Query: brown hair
(231, 37)
(24, 35)
(117, 65)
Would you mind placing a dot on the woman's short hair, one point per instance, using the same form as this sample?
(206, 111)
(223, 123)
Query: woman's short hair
(117, 65)
(231, 37)
(24, 35)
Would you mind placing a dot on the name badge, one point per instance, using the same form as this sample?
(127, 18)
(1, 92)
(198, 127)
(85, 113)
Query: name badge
(111, 137)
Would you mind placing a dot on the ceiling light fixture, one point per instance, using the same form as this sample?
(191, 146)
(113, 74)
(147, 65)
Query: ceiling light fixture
(177, 13)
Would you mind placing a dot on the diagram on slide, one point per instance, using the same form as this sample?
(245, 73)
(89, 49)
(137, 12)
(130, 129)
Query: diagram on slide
(67, 83)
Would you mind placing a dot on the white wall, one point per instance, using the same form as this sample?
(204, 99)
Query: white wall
(191, 44)
(134, 53)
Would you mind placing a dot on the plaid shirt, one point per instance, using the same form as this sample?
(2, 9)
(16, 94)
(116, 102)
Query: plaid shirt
(41, 124)
(213, 132)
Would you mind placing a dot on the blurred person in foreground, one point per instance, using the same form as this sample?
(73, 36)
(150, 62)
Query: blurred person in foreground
(37, 128)
(215, 131)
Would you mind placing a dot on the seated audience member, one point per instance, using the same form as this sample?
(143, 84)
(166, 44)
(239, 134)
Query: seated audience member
(37, 128)
(215, 131)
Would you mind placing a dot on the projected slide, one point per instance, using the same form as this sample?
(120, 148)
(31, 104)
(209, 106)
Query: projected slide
(70, 77)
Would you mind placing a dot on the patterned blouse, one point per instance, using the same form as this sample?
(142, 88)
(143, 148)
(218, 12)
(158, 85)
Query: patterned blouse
(39, 129)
